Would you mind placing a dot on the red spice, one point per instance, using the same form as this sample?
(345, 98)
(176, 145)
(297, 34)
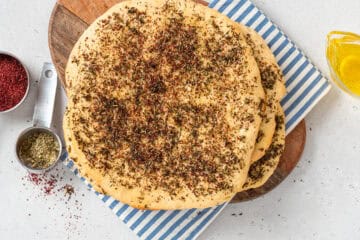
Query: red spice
(50, 185)
(13, 82)
(35, 178)
(47, 182)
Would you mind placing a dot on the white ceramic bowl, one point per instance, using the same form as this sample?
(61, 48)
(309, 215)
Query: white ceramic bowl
(28, 82)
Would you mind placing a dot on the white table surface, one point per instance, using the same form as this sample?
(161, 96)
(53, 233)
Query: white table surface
(319, 200)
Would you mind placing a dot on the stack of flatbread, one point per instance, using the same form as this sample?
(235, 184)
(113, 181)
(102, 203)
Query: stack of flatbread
(173, 106)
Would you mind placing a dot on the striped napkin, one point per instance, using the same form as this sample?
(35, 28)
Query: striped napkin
(305, 86)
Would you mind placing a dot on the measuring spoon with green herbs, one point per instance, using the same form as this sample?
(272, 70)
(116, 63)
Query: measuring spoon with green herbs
(38, 148)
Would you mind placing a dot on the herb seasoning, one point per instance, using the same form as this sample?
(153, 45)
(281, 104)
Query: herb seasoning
(39, 150)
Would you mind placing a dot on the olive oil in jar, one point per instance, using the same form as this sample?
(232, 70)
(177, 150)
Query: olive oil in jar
(343, 55)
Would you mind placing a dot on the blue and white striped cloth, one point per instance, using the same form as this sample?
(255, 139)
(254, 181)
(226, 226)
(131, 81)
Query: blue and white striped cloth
(304, 82)
(305, 86)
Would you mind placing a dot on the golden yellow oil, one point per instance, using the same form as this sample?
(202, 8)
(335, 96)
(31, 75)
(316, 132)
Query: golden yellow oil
(343, 54)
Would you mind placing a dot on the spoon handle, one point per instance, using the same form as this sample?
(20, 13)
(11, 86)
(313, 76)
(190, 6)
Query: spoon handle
(44, 106)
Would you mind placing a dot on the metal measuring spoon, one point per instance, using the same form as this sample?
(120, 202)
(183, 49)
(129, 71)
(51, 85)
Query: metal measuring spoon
(42, 117)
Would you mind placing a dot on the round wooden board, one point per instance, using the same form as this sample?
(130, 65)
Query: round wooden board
(64, 30)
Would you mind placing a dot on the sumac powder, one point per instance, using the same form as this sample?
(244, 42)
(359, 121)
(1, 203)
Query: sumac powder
(13, 82)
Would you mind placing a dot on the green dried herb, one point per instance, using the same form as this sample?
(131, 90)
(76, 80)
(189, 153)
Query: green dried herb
(39, 150)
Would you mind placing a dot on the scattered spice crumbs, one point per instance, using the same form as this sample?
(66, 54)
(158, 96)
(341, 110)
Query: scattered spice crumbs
(46, 182)
(69, 190)
(53, 185)
(239, 214)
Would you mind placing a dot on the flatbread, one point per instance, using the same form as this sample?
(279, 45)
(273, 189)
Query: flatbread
(164, 105)
(261, 170)
(265, 135)
(274, 86)
(272, 78)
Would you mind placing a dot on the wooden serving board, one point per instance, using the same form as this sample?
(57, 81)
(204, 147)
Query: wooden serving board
(69, 20)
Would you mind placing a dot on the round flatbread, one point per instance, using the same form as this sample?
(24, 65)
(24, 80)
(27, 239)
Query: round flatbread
(265, 135)
(271, 75)
(261, 170)
(273, 84)
(164, 105)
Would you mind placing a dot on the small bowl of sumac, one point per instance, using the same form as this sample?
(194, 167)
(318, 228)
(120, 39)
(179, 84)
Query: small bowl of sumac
(14, 82)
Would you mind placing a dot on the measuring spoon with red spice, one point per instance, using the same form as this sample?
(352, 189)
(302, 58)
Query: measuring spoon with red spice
(42, 117)
(14, 82)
